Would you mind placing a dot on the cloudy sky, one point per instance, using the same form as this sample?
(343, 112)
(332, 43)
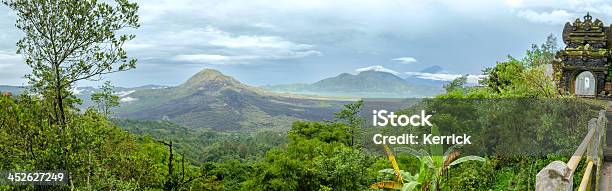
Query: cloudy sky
(277, 42)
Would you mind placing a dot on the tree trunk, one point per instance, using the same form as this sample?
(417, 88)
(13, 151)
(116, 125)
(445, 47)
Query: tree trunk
(170, 165)
(58, 96)
(170, 183)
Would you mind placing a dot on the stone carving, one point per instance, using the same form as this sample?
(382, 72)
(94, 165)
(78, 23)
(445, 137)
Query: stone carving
(586, 49)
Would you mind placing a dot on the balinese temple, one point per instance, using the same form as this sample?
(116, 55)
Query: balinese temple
(584, 63)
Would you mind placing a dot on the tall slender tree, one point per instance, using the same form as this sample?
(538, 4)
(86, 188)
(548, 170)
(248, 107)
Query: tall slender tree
(66, 41)
(105, 99)
(350, 116)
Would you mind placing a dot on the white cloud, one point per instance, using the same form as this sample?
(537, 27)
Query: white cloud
(294, 54)
(124, 93)
(552, 17)
(377, 68)
(5, 66)
(225, 39)
(12, 69)
(9, 58)
(473, 79)
(257, 42)
(237, 48)
(128, 99)
(202, 58)
(243, 59)
(406, 60)
(212, 58)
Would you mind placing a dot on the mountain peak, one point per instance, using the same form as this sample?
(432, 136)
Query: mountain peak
(209, 77)
(208, 72)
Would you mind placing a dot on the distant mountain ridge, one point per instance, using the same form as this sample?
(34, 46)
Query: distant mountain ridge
(367, 83)
(366, 80)
(84, 93)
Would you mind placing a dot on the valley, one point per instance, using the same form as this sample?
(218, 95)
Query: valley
(212, 100)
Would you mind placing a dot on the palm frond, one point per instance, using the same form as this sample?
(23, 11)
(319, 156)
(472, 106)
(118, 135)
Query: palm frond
(465, 159)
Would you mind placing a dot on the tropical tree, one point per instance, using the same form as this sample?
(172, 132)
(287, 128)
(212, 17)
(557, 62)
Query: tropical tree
(105, 99)
(540, 55)
(457, 83)
(350, 116)
(66, 41)
(525, 77)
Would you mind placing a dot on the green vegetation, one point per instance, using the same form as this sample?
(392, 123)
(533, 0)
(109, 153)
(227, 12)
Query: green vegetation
(78, 40)
(96, 153)
(205, 145)
(105, 99)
